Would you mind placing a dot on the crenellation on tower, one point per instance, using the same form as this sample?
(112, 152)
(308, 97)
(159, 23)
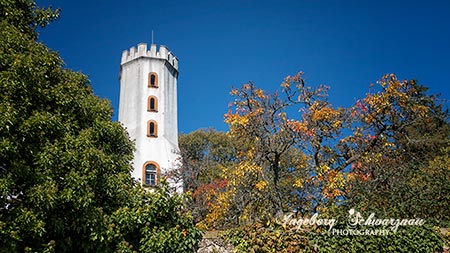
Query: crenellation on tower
(141, 51)
(153, 50)
(163, 52)
(175, 62)
(133, 51)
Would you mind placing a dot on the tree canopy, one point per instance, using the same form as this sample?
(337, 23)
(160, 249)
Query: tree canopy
(65, 183)
(388, 152)
(294, 152)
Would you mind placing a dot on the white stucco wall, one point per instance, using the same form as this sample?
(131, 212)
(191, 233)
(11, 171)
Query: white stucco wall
(136, 64)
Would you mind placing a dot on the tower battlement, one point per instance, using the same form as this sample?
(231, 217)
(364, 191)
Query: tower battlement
(141, 51)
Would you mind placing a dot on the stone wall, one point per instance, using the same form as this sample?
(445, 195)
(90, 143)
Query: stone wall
(211, 243)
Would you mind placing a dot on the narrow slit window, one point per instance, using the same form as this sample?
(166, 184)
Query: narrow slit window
(152, 104)
(152, 80)
(152, 130)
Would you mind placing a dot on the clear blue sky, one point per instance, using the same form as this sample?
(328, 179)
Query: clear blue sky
(344, 44)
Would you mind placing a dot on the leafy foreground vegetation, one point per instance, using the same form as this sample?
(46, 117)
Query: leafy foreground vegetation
(259, 238)
(65, 182)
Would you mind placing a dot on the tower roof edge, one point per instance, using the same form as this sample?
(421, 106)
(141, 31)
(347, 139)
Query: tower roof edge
(162, 53)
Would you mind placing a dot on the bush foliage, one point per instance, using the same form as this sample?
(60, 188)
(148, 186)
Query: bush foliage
(257, 238)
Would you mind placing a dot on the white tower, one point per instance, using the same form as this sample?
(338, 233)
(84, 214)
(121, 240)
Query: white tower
(148, 110)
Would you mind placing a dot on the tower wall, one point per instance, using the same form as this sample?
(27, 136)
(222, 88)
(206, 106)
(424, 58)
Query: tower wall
(137, 65)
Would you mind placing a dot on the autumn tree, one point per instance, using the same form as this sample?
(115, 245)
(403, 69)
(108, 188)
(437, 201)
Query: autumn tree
(298, 158)
(304, 154)
(65, 183)
(387, 154)
(320, 126)
(271, 170)
(406, 134)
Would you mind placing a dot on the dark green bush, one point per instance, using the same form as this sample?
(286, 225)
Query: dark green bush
(263, 239)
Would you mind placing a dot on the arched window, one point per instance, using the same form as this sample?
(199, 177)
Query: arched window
(150, 174)
(152, 129)
(152, 80)
(152, 104)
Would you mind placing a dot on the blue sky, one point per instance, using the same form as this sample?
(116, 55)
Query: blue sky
(344, 44)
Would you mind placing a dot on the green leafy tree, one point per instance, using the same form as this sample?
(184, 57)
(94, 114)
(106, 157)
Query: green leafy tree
(204, 153)
(65, 167)
(152, 222)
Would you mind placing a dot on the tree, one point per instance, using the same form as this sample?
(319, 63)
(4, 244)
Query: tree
(204, 153)
(271, 170)
(291, 164)
(407, 133)
(324, 157)
(64, 165)
(388, 154)
(152, 222)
